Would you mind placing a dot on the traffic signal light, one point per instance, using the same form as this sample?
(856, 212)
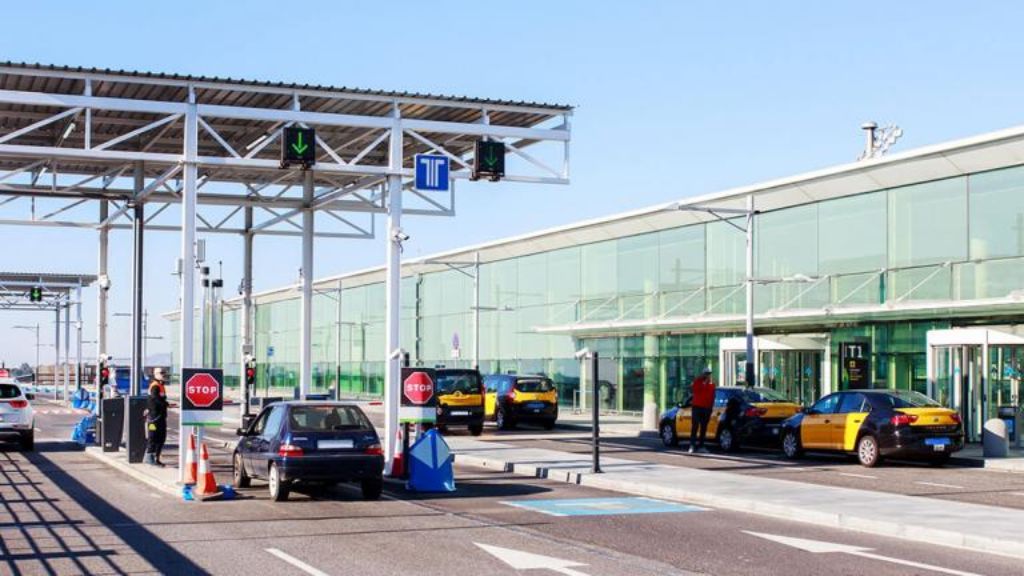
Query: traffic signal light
(35, 294)
(104, 374)
(250, 373)
(489, 160)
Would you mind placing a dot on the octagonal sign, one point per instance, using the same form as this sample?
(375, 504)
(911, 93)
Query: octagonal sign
(418, 388)
(202, 390)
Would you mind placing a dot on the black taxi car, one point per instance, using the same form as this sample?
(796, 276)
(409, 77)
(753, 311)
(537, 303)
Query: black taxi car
(876, 424)
(460, 399)
(740, 415)
(514, 398)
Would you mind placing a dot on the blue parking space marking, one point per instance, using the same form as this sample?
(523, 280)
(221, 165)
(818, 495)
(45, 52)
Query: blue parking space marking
(601, 506)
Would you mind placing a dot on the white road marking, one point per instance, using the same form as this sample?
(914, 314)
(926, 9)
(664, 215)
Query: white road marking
(865, 476)
(1017, 493)
(519, 560)
(938, 485)
(296, 562)
(819, 547)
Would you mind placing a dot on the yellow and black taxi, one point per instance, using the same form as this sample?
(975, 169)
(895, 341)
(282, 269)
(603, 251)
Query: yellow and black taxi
(740, 416)
(460, 399)
(875, 424)
(515, 398)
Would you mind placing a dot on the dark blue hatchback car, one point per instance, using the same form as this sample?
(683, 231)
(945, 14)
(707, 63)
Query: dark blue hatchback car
(316, 443)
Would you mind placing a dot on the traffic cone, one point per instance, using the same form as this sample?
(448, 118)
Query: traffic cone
(206, 484)
(398, 462)
(190, 460)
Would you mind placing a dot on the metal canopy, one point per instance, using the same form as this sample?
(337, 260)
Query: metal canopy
(71, 135)
(57, 289)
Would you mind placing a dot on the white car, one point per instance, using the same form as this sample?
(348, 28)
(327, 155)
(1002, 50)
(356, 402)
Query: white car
(17, 419)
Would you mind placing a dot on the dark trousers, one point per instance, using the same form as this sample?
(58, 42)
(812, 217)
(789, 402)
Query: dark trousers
(699, 419)
(155, 438)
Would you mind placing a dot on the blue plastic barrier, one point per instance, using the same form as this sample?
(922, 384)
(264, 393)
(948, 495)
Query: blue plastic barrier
(430, 464)
(84, 432)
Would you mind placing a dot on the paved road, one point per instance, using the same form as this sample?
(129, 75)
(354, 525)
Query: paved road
(63, 513)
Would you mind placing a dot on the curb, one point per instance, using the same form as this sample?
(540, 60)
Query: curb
(96, 453)
(901, 530)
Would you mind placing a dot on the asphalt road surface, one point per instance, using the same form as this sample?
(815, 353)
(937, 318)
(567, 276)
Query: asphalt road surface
(62, 512)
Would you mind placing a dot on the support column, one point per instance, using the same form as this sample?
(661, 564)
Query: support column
(476, 310)
(337, 347)
(653, 382)
(751, 372)
(101, 295)
(306, 321)
(138, 229)
(247, 343)
(188, 239)
(78, 337)
(56, 352)
(393, 282)
(67, 348)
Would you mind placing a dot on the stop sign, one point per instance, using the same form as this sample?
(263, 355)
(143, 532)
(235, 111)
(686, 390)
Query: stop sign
(202, 390)
(418, 388)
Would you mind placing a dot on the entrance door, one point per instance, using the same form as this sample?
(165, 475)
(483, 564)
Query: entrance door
(960, 384)
(796, 374)
(795, 365)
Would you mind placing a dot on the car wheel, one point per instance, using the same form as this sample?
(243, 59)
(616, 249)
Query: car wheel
(278, 489)
(727, 440)
(241, 479)
(668, 435)
(867, 451)
(502, 420)
(28, 441)
(791, 445)
(372, 488)
(476, 429)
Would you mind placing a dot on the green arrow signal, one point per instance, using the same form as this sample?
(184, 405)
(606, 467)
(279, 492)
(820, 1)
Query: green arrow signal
(490, 159)
(300, 146)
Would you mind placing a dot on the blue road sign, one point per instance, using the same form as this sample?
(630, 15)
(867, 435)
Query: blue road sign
(432, 172)
(601, 506)
(270, 351)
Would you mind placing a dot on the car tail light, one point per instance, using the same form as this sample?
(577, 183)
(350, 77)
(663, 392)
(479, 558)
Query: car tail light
(512, 394)
(18, 404)
(904, 419)
(754, 412)
(374, 450)
(955, 416)
(289, 451)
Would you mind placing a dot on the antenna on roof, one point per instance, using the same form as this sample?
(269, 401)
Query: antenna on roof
(878, 140)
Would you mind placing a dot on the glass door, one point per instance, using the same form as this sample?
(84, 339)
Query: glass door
(960, 385)
(796, 374)
(1006, 368)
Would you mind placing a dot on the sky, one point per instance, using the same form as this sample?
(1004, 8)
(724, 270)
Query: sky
(673, 99)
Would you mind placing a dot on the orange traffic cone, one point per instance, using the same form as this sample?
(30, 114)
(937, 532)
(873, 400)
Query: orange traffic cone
(398, 462)
(206, 485)
(190, 460)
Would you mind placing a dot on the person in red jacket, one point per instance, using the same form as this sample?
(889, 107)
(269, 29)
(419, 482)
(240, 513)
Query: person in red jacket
(700, 409)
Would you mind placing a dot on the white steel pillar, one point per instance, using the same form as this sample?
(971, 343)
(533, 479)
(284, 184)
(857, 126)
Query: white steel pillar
(56, 352)
(337, 347)
(247, 340)
(751, 365)
(393, 282)
(306, 321)
(78, 339)
(67, 347)
(476, 310)
(138, 228)
(188, 240)
(101, 293)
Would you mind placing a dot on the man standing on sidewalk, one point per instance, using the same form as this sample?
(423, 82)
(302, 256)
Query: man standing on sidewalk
(700, 410)
(156, 418)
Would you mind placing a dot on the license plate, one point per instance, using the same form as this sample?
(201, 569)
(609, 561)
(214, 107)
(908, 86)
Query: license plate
(460, 412)
(937, 443)
(535, 406)
(334, 444)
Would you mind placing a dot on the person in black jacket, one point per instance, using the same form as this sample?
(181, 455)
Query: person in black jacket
(156, 418)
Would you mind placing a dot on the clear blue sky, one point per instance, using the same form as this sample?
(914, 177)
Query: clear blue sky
(674, 99)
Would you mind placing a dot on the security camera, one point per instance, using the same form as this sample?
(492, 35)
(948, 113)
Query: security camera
(583, 353)
(103, 282)
(398, 235)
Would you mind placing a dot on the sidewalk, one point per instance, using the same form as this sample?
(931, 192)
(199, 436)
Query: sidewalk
(971, 526)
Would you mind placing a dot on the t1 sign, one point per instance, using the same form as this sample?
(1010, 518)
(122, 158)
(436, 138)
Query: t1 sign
(855, 364)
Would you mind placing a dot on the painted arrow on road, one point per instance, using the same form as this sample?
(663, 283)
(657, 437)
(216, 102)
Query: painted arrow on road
(519, 560)
(819, 547)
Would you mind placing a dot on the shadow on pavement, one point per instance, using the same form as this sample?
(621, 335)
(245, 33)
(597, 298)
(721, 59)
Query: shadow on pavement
(162, 557)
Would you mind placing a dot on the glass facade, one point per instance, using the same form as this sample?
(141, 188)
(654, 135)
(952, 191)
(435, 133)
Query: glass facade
(648, 303)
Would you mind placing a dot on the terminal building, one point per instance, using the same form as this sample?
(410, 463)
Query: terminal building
(904, 271)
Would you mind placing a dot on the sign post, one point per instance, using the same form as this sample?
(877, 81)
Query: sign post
(855, 364)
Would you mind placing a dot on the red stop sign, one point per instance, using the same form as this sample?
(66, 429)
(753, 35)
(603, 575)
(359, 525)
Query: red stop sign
(418, 388)
(202, 390)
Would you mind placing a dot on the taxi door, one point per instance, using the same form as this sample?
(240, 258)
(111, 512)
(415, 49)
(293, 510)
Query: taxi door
(684, 416)
(816, 427)
(853, 410)
(721, 398)
(491, 395)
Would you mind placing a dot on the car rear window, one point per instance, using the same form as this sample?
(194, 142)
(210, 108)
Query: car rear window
(536, 385)
(9, 391)
(908, 399)
(465, 382)
(327, 418)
